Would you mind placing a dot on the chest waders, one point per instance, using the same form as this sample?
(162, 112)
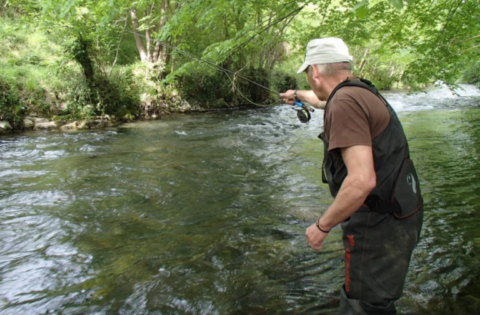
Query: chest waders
(398, 189)
(380, 236)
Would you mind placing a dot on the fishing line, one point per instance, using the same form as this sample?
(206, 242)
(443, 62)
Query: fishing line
(303, 111)
(238, 46)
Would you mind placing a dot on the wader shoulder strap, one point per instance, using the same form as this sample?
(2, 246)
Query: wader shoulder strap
(363, 83)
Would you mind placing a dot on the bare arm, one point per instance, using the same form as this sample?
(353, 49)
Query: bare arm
(358, 184)
(306, 96)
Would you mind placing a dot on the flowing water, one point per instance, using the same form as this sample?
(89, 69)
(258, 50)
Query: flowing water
(205, 214)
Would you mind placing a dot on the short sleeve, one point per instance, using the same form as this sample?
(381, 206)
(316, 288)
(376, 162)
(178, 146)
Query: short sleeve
(348, 124)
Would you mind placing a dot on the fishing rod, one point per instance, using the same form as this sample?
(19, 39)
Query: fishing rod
(303, 111)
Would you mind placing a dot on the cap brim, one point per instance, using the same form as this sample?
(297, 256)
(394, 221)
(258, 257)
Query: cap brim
(303, 67)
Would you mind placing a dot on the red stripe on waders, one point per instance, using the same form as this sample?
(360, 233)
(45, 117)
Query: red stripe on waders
(347, 270)
(351, 242)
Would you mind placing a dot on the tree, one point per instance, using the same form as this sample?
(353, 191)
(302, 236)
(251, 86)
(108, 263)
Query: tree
(417, 42)
(155, 16)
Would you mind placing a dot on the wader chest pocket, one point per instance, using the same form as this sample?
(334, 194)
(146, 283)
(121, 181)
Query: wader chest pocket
(406, 191)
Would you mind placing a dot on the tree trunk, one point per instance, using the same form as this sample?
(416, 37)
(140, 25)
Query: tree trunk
(400, 77)
(274, 56)
(118, 45)
(374, 68)
(138, 39)
(260, 59)
(160, 52)
(362, 64)
(225, 25)
(4, 6)
(266, 54)
(392, 73)
(81, 55)
(239, 24)
(278, 48)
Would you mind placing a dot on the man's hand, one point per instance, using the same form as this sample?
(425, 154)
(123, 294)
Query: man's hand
(315, 237)
(307, 96)
(288, 97)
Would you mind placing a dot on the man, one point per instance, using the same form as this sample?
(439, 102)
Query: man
(377, 198)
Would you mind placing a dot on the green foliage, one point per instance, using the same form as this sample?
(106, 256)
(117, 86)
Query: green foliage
(472, 73)
(35, 67)
(113, 96)
(205, 86)
(252, 91)
(28, 67)
(11, 109)
(412, 43)
(220, 89)
(18, 8)
(282, 81)
(147, 77)
(117, 96)
(86, 54)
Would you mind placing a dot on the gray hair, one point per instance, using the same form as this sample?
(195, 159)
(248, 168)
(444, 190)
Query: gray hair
(330, 69)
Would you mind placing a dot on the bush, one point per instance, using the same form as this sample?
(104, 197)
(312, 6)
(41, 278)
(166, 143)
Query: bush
(472, 74)
(204, 87)
(220, 89)
(116, 96)
(106, 96)
(282, 81)
(11, 109)
(382, 79)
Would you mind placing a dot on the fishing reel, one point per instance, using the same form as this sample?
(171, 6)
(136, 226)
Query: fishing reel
(303, 113)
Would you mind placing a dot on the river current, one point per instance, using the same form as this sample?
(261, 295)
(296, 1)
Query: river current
(206, 214)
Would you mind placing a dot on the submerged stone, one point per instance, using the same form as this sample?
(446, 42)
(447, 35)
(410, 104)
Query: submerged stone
(70, 126)
(37, 120)
(5, 127)
(28, 124)
(46, 125)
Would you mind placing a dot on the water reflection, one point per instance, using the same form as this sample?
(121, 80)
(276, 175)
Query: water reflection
(445, 277)
(206, 215)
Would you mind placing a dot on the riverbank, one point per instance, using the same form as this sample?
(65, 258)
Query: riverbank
(50, 83)
(34, 123)
(397, 98)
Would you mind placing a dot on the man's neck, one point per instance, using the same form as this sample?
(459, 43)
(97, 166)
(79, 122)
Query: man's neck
(335, 80)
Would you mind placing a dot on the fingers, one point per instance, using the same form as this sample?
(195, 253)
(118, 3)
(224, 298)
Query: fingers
(315, 238)
(315, 246)
(289, 95)
(287, 100)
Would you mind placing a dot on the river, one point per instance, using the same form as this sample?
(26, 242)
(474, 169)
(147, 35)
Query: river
(206, 213)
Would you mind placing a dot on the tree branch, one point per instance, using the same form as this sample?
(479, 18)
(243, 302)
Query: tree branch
(138, 39)
(455, 41)
(118, 46)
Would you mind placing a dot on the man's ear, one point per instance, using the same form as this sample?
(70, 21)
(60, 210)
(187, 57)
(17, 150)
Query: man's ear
(315, 73)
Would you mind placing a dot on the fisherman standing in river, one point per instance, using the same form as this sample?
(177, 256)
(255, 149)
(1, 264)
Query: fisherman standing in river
(367, 166)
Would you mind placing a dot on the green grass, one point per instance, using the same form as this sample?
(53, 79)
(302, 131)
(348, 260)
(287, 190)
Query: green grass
(30, 61)
(34, 65)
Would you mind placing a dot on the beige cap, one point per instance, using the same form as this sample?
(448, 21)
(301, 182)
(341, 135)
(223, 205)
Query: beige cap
(325, 50)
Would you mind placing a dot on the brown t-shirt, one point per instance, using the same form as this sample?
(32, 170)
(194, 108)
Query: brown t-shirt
(354, 116)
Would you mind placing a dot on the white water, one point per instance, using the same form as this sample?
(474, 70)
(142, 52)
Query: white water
(434, 98)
